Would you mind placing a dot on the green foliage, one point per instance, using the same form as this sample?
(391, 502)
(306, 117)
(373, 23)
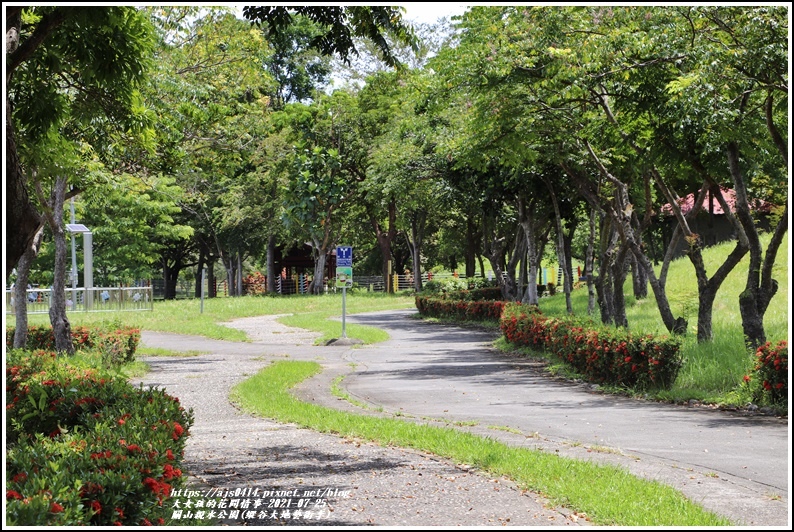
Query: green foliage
(102, 52)
(341, 26)
(316, 188)
(443, 286)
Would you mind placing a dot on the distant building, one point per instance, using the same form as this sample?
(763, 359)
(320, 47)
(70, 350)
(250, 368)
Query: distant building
(711, 223)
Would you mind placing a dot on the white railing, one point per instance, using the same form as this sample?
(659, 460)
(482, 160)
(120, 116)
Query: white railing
(96, 299)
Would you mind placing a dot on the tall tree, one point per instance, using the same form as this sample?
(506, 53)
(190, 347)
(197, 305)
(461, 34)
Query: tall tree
(340, 26)
(60, 59)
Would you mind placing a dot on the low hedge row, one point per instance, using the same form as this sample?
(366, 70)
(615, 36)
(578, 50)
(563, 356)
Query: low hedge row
(117, 343)
(601, 354)
(771, 374)
(460, 309)
(85, 447)
(474, 294)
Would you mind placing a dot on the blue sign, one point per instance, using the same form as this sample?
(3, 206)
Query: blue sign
(344, 256)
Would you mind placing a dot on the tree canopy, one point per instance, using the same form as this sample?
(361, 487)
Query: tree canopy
(511, 129)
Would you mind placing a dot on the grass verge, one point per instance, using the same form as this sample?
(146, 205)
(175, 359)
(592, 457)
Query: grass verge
(607, 495)
(332, 328)
(184, 316)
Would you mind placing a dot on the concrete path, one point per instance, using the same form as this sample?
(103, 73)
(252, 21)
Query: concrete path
(735, 465)
(332, 481)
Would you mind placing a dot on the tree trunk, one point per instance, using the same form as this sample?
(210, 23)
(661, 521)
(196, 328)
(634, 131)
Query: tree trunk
(769, 286)
(239, 283)
(526, 218)
(61, 329)
(567, 242)
(199, 276)
(418, 220)
(603, 282)
(618, 279)
(561, 259)
(639, 278)
(752, 318)
(385, 238)
(523, 282)
(20, 290)
(23, 220)
(321, 252)
(271, 263)
(493, 248)
(212, 289)
(170, 278)
(588, 263)
(471, 247)
(519, 251)
(230, 265)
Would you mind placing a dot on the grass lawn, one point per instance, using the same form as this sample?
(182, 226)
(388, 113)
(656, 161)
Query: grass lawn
(308, 312)
(712, 371)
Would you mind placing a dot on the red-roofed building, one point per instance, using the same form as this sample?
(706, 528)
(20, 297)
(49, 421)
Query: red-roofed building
(710, 222)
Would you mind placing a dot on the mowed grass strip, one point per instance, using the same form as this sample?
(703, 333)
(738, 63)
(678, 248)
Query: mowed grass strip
(185, 316)
(607, 495)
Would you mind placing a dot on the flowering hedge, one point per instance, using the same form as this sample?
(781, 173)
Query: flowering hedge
(602, 355)
(86, 447)
(117, 343)
(771, 372)
(475, 294)
(255, 284)
(459, 309)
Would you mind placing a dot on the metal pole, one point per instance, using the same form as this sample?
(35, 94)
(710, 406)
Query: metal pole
(344, 296)
(74, 264)
(88, 268)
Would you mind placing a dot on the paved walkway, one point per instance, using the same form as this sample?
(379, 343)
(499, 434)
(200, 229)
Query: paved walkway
(733, 464)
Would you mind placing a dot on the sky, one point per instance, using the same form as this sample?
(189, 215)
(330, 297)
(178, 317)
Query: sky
(430, 12)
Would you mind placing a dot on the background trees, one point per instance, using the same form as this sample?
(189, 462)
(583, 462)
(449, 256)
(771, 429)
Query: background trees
(514, 128)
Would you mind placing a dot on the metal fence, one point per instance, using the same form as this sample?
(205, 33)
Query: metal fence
(96, 299)
(299, 284)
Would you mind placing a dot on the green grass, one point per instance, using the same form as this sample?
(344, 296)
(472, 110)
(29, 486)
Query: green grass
(319, 322)
(184, 316)
(160, 352)
(712, 371)
(341, 393)
(91, 358)
(607, 495)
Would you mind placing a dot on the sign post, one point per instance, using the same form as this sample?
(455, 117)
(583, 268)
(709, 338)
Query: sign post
(344, 277)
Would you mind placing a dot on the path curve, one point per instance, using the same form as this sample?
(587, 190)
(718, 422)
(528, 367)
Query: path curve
(732, 464)
(228, 449)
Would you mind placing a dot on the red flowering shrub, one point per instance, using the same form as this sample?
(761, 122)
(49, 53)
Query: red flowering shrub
(255, 284)
(771, 374)
(118, 346)
(459, 309)
(602, 355)
(116, 342)
(70, 461)
(474, 294)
